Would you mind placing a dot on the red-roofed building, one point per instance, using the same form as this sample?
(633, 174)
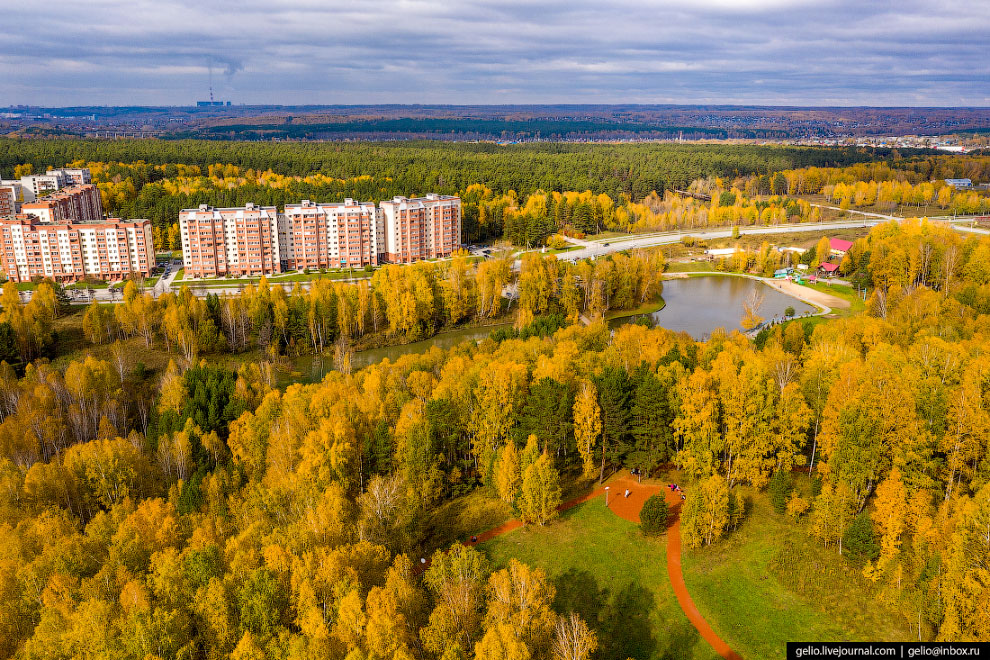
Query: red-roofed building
(829, 268)
(839, 247)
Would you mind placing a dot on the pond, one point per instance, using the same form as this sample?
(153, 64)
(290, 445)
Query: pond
(699, 305)
(695, 305)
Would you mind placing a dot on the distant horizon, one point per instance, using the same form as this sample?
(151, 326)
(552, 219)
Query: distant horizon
(506, 105)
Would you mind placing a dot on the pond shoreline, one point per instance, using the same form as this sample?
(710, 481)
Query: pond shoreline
(823, 301)
(476, 332)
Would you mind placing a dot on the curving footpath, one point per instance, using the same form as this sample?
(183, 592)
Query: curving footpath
(629, 508)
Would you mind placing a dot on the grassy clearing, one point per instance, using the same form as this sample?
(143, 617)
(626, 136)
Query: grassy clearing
(645, 308)
(769, 583)
(87, 285)
(614, 578)
(457, 519)
(856, 304)
(689, 267)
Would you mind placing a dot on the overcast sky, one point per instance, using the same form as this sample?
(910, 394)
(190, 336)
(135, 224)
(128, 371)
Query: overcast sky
(795, 52)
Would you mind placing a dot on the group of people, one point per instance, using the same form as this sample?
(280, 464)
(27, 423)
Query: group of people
(677, 489)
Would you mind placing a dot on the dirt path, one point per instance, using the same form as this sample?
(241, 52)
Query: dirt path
(628, 507)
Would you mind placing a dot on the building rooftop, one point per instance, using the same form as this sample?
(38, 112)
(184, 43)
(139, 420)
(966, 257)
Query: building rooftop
(31, 219)
(250, 206)
(839, 244)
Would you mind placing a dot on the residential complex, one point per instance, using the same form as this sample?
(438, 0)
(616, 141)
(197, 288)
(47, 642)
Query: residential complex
(28, 188)
(230, 241)
(253, 240)
(67, 251)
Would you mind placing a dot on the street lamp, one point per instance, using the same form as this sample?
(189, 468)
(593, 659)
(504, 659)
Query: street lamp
(606, 496)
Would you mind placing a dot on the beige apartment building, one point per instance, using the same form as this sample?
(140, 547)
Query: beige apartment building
(67, 251)
(337, 235)
(421, 228)
(230, 241)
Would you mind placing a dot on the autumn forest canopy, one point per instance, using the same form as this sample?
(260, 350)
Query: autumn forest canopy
(170, 486)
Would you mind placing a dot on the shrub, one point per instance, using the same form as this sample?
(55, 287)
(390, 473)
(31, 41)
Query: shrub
(859, 540)
(789, 312)
(653, 517)
(797, 506)
(780, 489)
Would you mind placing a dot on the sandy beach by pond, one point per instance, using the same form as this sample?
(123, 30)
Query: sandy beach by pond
(818, 298)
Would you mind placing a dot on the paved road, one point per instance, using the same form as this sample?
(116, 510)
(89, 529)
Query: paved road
(605, 246)
(597, 249)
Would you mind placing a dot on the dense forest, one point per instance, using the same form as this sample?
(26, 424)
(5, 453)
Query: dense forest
(204, 512)
(156, 179)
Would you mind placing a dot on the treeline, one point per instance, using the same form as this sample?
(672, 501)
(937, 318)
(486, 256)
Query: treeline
(460, 129)
(890, 185)
(398, 303)
(405, 168)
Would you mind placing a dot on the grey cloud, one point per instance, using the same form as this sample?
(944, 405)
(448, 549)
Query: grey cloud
(498, 51)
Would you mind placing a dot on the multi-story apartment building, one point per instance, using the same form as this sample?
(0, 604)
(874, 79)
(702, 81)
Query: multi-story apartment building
(330, 235)
(74, 177)
(76, 203)
(230, 241)
(68, 251)
(421, 228)
(29, 188)
(9, 199)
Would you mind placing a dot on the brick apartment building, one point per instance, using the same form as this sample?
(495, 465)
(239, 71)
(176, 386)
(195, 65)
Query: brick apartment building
(32, 186)
(421, 228)
(9, 199)
(68, 251)
(330, 235)
(230, 241)
(78, 203)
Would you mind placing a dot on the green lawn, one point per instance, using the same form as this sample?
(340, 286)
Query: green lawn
(645, 308)
(841, 291)
(87, 285)
(569, 248)
(615, 579)
(689, 267)
(273, 279)
(769, 583)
